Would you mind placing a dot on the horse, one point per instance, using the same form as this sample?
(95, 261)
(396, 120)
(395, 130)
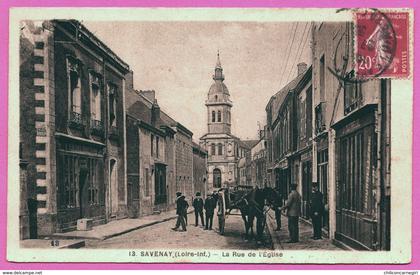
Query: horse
(252, 205)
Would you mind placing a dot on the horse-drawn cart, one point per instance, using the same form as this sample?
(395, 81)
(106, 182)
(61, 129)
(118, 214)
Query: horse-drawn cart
(229, 199)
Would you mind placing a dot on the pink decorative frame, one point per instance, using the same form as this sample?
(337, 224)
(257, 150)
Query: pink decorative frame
(5, 6)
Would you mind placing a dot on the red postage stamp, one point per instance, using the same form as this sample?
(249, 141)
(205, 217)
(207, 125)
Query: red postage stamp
(382, 44)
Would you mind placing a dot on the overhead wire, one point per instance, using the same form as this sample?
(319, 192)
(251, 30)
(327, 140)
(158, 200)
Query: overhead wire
(305, 34)
(288, 53)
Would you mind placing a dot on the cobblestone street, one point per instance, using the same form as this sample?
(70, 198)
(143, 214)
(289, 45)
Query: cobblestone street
(306, 242)
(161, 236)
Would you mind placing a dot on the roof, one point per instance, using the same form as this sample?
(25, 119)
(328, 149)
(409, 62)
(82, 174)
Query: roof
(249, 143)
(82, 29)
(218, 87)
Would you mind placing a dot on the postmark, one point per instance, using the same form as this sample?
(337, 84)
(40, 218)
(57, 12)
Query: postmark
(382, 44)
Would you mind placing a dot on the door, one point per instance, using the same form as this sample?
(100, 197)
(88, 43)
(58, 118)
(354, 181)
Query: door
(160, 184)
(113, 188)
(306, 187)
(83, 193)
(217, 178)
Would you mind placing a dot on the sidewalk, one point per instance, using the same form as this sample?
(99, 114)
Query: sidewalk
(118, 227)
(280, 238)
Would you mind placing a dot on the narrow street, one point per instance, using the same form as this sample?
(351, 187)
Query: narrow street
(161, 236)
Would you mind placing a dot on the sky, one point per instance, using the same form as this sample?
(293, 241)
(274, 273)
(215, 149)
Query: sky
(177, 60)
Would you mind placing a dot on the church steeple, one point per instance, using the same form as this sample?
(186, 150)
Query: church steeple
(218, 71)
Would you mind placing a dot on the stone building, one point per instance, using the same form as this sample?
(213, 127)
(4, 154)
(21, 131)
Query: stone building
(199, 170)
(301, 158)
(351, 149)
(150, 158)
(281, 136)
(72, 126)
(222, 146)
(258, 164)
(184, 161)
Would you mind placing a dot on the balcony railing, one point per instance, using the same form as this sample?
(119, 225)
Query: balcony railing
(320, 118)
(75, 120)
(97, 127)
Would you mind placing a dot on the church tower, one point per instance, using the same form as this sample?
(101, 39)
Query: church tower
(218, 103)
(221, 145)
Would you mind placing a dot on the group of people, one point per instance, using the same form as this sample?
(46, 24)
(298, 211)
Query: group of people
(293, 212)
(292, 207)
(208, 205)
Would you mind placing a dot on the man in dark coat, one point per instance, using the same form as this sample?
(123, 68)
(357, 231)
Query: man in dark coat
(293, 212)
(209, 206)
(181, 205)
(317, 211)
(198, 205)
(277, 204)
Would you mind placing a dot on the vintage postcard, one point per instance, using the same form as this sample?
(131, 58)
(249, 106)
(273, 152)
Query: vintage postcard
(210, 135)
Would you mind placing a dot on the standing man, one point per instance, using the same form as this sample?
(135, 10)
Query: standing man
(317, 211)
(293, 212)
(278, 203)
(209, 206)
(198, 205)
(180, 206)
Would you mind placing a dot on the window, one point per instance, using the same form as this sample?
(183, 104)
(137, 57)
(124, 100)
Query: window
(357, 160)
(157, 147)
(352, 96)
(213, 116)
(112, 93)
(219, 116)
(322, 78)
(220, 149)
(146, 182)
(73, 70)
(228, 117)
(68, 181)
(213, 149)
(152, 141)
(215, 97)
(302, 121)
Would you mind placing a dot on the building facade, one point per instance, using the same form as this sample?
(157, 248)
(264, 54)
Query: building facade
(150, 157)
(199, 170)
(259, 164)
(72, 127)
(301, 158)
(351, 155)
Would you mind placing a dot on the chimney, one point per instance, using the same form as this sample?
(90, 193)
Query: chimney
(302, 68)
(155, 112)
(149, 94)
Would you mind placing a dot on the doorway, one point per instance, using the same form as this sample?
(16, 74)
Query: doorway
(113, 188)
(217, 178)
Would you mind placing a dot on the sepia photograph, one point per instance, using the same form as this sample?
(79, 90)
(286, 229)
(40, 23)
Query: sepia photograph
(259, 136)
